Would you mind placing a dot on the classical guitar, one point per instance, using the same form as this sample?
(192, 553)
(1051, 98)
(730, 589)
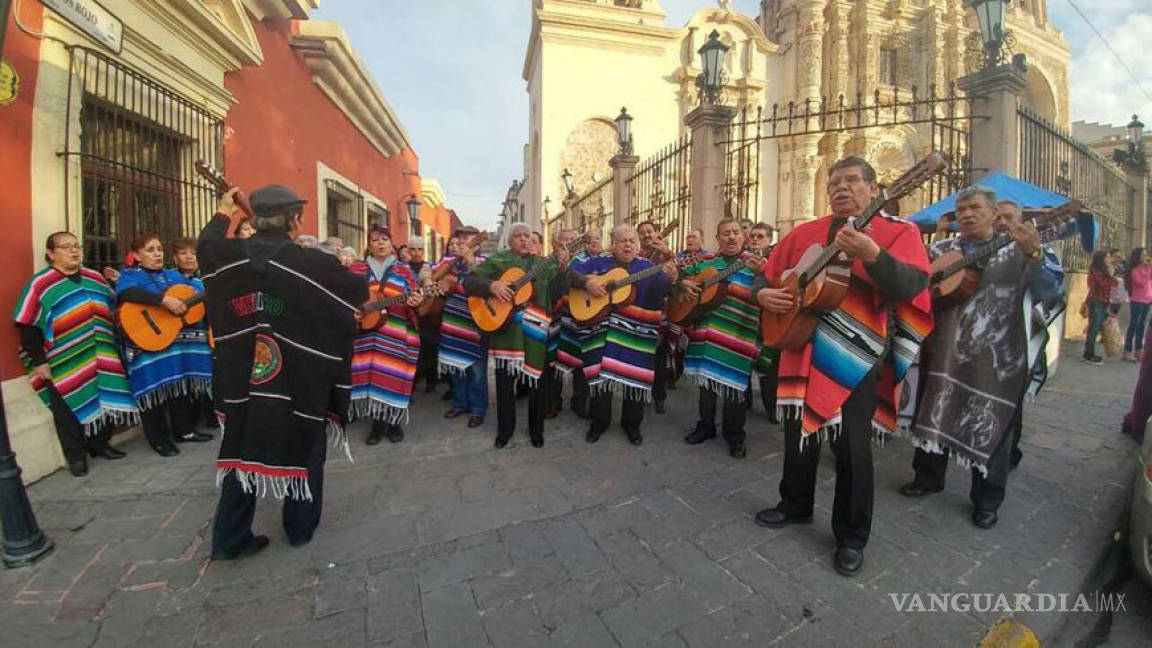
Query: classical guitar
(955, 277)
(818, 283)
(683, 307)
(587, 309)
(433, 305)
(373, 309)
(152, 327)
(491, 313)
(660, 255)
(221, 185)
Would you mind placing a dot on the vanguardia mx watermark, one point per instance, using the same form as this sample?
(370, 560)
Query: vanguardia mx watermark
(1019, 602)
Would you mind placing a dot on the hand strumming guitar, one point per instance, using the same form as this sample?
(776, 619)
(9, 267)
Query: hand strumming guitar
(415, 299)
(501, 290)
(775, 300)
(175, 306)
(595, 287)
(690, 287)
(670, 270)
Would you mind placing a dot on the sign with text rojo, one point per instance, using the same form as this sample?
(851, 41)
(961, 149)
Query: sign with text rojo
(92, 19)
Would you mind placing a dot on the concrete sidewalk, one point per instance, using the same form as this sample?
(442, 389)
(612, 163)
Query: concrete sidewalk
(444, 541)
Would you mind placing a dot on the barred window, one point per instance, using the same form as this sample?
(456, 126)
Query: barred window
(888, 66)
(346, 217)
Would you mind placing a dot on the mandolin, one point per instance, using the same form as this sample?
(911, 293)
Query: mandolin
(152, 327)
(221, 184)
(587, 309)
(433, 306)
(955, 277)
(683, 307)
(819, 282)
(491, 313)
(373, 309)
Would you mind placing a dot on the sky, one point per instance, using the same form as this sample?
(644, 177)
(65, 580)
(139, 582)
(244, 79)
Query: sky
(452, 74)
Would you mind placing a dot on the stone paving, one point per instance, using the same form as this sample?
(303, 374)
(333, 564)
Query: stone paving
(444, 541)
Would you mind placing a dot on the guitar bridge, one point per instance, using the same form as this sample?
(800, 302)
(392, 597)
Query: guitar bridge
(150, 322)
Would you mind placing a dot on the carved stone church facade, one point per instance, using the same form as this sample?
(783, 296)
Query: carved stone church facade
(587, 58)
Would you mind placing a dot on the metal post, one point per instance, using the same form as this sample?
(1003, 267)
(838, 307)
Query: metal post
(24, 542)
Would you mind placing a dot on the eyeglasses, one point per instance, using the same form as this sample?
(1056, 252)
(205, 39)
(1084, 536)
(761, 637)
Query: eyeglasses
(68, 247)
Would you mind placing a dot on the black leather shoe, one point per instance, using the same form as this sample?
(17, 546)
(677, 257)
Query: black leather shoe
(848, 561)
(106, 451)
(537, 442)
(699, 436)
(395, 434)
(78, 468)
(453, 413)
(194, 437)
(658, 406)
(774, 518)
(916, 489)
(447, 395)
(166, 450)
(299, 542)
(592, 436)
(256, 545)
(375, 437)
(635, 438)
(985, 519)
(502, 441)
(581, 411)
(737, 451)
(475, 421)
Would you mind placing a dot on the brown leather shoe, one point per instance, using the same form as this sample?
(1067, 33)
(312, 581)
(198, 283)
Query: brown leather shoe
(475, 421)
(453, 413)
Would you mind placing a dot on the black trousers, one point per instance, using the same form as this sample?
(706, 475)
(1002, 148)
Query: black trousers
(986, 493)
(175, 417)
(733, 417)
(506, 404)
(1016, 429)
(579, 400)
(427, 366)
(660, 371)
(852, 506)
(68, 429)
(631, 413)
(767, 393)
(232, 528)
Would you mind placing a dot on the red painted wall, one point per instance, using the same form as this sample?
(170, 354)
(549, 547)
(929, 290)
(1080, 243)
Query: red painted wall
(282, 124)
(22, 51)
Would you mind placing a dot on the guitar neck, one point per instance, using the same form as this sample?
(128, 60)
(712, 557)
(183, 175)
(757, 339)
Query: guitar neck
(732, 269)
(194, 299)
(1048, 233)
(639, 276)
(550, 259)
(858, 223)
(392, 301)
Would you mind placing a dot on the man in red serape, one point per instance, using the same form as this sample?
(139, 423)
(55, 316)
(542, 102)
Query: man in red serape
(842, 383)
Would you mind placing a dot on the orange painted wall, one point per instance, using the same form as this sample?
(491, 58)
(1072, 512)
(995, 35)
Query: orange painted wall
(22, 51)
(282, 124)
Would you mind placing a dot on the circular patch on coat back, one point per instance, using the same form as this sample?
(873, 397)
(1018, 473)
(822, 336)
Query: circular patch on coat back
(266, 360)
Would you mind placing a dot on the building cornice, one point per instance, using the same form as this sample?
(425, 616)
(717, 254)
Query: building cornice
(431, 192)
(340, 74)
(281, 9)
(210, 35)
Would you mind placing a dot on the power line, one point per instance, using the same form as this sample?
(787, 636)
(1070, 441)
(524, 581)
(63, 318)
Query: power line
(1109, 46)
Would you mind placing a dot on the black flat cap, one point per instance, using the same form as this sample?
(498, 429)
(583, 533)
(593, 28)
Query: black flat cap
(273, 199)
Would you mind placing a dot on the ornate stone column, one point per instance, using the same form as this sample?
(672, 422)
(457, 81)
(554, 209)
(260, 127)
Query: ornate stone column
(709, 127)
(996, 127)
(805, 161)
(623, 166)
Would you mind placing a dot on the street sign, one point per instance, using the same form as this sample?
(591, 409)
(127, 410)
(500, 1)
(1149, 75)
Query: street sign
(91, 18)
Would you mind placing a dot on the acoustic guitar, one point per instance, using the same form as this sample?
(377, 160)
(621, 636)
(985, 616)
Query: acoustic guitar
(587, 309)
(955, 277)
(373, 309)
(434, 305)
(818, 283)
(661, 255)
(491, 313)
(221, 185)
(683, 307)
(154, 327)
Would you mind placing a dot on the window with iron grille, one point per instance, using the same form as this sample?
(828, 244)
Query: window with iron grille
(888, 67)
(377, 215)
(138, 144)
(346, 216)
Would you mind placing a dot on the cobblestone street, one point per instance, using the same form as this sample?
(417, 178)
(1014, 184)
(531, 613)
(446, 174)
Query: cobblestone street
(444, 541)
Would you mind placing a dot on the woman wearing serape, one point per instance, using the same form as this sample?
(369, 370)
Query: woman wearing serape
(842, 383)
(384, 359)
(620, 355)
(520, 349)
(68, 345)
(463, 348)
(167, 384)
(283, 317)
(723, 344)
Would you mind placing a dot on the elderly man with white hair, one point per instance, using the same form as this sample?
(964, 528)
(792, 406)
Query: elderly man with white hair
(621, 354)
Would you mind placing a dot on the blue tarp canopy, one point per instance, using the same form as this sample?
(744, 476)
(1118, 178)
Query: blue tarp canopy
(1027, 195)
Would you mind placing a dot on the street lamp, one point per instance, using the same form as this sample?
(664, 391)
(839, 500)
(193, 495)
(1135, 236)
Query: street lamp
(567, 178)
(990, 19)
(1134, 157)
(624, 131)
(711, 80)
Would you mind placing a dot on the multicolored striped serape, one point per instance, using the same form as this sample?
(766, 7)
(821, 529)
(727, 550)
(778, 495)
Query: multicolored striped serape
(384, 359)
(461, 341)
(75, 318)
(724, 342)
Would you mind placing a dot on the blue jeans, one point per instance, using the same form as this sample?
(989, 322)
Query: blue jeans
(470, 389)
(1137, 318)
(1097, 312)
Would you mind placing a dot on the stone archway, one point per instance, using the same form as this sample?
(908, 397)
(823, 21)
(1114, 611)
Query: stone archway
(589, 147)
(1039, 95)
